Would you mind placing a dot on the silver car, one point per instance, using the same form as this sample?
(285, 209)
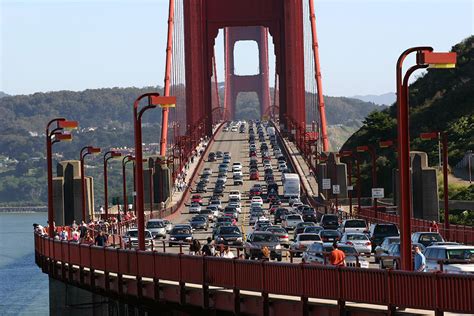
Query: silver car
(360, 242)
(157, 228)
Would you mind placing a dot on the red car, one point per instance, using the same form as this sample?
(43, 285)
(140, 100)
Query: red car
(253, 154)
(196, 198)
(254, 175)
(255, 191)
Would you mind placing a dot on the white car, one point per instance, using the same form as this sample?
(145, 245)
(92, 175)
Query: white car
(293, 199)
(354, 226)
(234, 129)
(360, 241)
(131, 238)
(257, 199)
(462, 254)
(291, 220)
(304, 240)
(216, 203)
(194, 208)
(296, 205)
(267, 166)
(237, 166)
(282, 166)
(235, 195)
(237, 174)
(222, 177)
(316, 252)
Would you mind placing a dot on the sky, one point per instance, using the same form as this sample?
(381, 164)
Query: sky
(50, 45)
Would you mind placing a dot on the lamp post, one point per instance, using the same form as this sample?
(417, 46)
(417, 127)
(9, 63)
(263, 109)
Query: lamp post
(85, 151)
(371, 150)
(125, 159)
(425, 58)
(59, 135)
(154, 100)
(107, 156)
(441, 136)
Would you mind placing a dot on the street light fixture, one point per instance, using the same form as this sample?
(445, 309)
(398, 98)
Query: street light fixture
(85, 151)
(342, 154)
(126, 159)
(441, 136)
(107, 156)
(154, 99)
(371, 150)
(425, 58)
(58, 135)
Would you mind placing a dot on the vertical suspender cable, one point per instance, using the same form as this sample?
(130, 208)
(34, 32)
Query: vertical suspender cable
(319, 84)
(169, 47)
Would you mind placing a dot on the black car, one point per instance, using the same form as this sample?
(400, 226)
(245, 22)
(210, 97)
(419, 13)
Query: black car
(219, 154)
(309, 214)
(180, 234)
(218, 190)
(378, 232)
(199, 222)
(211, 157)
(330, 221)
(330, 235)
(228, 235)
(301, 226)
(280, 214)
(201, 188)
(258, 240)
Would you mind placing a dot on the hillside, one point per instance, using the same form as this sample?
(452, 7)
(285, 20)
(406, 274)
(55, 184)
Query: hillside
(3, 94)
(382, 99)
(441, 100)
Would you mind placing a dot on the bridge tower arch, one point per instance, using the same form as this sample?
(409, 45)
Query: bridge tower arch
(282, 18)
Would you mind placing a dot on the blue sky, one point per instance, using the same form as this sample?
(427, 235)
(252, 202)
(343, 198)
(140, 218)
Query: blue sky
(74, 45)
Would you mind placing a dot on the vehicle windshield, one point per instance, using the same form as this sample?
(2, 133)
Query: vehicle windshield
(329, 233)
(386, 229)
(132, 233)
(181, 231)
(264, 238)
(276, 230)
(293, 217)
(198, 219)
(309, 237)
(224, 219)
(330, 218)
(348, 250)
(313, 229)
(356, 237)
(229, 230)
(460, 254)
(155, 225)
(355, 224)
(430, 238)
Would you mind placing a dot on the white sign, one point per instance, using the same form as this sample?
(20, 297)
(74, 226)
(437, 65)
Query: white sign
(134, 193)
(378, 193)
(350, 188)
(336, 189)
(326, 184)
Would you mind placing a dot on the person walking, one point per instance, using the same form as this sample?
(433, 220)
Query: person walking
(337, 256)
(420, 260)
(208, 249)
(101, 239)
(227, 253)
(434, 227)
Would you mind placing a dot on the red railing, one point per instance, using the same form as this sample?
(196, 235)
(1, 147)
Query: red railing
(429, 291)
(458, 233)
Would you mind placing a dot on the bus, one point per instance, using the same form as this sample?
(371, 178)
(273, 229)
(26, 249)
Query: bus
(291, 185)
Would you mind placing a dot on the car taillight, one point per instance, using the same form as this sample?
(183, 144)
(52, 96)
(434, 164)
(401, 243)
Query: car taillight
(284, 236)
(349, 243)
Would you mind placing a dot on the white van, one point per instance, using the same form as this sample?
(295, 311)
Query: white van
(291, 185)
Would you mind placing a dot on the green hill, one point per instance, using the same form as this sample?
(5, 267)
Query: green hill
(441, 100)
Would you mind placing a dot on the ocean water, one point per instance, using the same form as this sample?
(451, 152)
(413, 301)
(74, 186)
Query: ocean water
(24, 289)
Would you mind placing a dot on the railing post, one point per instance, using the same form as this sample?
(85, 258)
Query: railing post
(205, 285)
(182, 285)
(438, 311)
(391, 308)
(341, 304)
(304, 298)
(91, 270)
(236, 290)
(119, 274)
(106, 272)
(265, 301)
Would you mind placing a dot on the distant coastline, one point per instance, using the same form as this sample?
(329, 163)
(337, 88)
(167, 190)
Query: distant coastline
(23, 209)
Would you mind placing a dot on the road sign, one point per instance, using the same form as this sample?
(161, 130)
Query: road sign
(378, 193)
(350, 188)
(336, 189)
(326, 184)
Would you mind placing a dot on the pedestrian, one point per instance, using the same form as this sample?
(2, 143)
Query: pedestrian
(75, 236)
(88, 238)
(195, 247)
(101, 239)
(420, 260)
(63, 235)
(337, 256)
(208, 249)
(434, 227)
(265, 253)
(227, 253)
(162, 205)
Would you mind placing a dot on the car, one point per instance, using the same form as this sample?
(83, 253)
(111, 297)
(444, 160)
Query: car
(211, 157)
(254, 175)
(237, 174)
(229, 235)
(257, 199)
(281, 233)
(390, 259)
(454, 258)
(261, 224)
(383, 247)
(216, 227)
(207, 171)
(204, 178)
(231, 212)
(254, 191)
(360, 241)
(255, 215)
(209, 213)
(234, 129)
(168, 225)
(217, 203)
(353, 226)
(293, 199)
(239, 180)
(226, 160)
(222, 179)
(309, 214)
(317, 253)
(219, 154)
(180, 234)
(201, 188)
(223, 167)
(199, 222)
(196, 198)
(227, 154)
(194, 208)
(130, 238)
(291, 220)
(329, 221)
(235, 195)
(301, 227)
(426, 238)
(257, 240)
(219, 190)
(329, 236)
(157, 227)
(378, 232)
(280, 214)
(302, 241)
(225, 129)
(237, 166)
(214, 209)
(313, 229)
